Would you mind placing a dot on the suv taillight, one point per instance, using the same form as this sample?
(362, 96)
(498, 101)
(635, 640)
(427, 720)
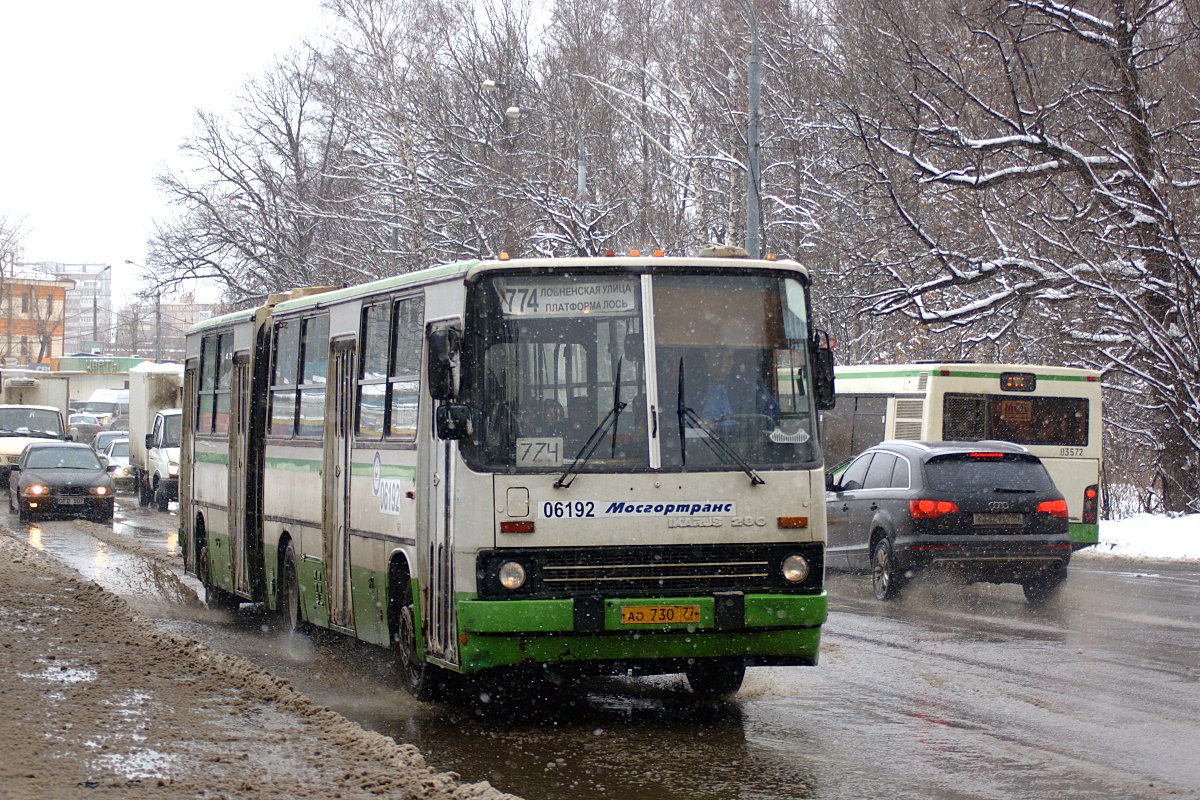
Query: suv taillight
(1091, 501)
(931, 509)
(1055, 508)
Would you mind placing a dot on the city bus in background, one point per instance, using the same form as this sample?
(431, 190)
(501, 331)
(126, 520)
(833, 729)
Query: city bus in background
(1055, 412)
(503, 464)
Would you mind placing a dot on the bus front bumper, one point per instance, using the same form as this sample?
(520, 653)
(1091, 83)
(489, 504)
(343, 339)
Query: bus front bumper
(762, 629)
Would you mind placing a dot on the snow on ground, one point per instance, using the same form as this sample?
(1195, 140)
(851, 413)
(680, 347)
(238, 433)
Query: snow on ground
(1150, 536)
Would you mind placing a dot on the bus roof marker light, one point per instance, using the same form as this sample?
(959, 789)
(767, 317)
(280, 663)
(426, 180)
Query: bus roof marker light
(771, 257)
(610, 253)
(635, 253)
(503, 255)
(659, 253)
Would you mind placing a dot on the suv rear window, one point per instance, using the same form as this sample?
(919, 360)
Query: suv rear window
(964, 473)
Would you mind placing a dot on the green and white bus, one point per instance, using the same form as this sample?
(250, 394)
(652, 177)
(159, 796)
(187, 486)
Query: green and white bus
(1055, 412)
(506, 464)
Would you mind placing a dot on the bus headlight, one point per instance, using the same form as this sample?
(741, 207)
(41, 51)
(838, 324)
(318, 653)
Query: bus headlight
(511, 575)
(795, 568)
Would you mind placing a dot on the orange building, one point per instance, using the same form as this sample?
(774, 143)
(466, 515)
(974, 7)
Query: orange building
(32, 320)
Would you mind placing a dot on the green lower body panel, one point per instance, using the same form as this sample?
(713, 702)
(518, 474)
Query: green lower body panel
(1084, 533)
(771, 629)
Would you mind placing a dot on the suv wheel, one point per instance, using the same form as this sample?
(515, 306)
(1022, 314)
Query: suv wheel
(885, 581)
(1040, 589)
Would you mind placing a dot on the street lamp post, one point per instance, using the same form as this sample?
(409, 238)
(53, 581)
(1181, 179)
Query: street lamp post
(754, 78)
(96, 308)
(516, 113)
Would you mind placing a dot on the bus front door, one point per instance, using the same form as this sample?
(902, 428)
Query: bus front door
(336, 517)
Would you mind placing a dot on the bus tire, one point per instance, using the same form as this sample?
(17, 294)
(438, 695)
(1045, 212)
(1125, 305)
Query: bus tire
(288, 608)
(885, 580)
(422, 680)
(715, 677)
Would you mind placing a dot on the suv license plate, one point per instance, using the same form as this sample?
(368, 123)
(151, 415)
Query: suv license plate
(1000, 520)
(659, 615)
(70, 501)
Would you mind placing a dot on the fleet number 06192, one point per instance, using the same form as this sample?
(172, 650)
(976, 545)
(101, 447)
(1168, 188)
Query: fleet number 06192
(567, 509)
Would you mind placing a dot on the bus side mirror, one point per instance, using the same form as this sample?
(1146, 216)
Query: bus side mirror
(822, 357)
(444, 346)
(453, 421)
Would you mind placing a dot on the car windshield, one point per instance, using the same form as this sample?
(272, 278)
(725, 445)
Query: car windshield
(84, 419)
(172, 430)
(30, 422)
(556, 367)
(119, 449)
(63, 458)
(963, 472)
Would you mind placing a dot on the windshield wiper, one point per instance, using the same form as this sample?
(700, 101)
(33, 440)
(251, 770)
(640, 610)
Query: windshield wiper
(585, 453)
(690, 419)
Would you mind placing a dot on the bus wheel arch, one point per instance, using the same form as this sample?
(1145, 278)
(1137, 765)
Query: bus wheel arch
(423, 680)
(214, 596)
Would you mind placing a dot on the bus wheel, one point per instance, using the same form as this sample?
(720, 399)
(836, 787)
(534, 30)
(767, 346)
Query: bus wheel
(422, 680)
(716, 677)
(288, 603)
(885, 582)
(1042, 588)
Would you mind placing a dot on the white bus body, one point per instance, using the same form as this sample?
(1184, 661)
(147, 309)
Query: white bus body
(392, 452)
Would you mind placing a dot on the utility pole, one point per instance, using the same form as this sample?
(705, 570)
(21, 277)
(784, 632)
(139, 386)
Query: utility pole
(158, 327)
(754, 112)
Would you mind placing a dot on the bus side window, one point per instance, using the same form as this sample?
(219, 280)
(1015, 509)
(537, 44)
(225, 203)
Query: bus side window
(208, 384)
(373, 371)
(283, 379)
(315, 358)
(404, 383)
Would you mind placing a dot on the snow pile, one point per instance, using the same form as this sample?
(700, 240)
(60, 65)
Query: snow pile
(1150, 536)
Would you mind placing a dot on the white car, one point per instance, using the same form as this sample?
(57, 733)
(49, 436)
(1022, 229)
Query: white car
(116, 458)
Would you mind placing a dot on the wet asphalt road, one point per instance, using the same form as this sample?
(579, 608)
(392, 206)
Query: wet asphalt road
(952, 692)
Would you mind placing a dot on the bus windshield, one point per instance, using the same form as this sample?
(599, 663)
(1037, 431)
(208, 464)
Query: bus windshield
(558, 363)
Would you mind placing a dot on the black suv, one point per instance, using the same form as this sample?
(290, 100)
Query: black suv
(985, 511)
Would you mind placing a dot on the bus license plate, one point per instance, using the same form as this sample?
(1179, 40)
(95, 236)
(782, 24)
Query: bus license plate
(1000, 520)
(70, 501)
(659, 615)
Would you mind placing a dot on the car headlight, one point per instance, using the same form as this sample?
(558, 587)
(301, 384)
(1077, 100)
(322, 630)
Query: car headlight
(173, 470)
(795, 568)
(511, 575)
(37, 490)
(125, 471)
(100, 490)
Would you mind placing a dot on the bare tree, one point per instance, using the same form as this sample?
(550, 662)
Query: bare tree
(1043, 163)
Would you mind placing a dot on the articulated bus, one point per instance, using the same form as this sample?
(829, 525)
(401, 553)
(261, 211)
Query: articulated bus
(513, 464)
(1055, 412)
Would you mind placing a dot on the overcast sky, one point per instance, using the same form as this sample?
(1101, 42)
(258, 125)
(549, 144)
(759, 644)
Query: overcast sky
(96, 97)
